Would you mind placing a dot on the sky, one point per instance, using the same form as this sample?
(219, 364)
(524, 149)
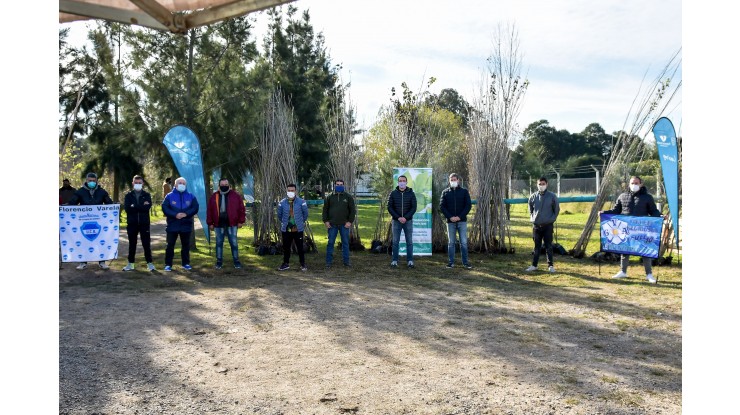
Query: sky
(585, 61)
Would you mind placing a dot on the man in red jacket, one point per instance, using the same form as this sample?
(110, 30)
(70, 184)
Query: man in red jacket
(225, 214)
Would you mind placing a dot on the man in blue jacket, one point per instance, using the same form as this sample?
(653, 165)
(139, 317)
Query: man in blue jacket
(402, 206)
(544, 209)
(455, 204)
(179, 207)
(137, 203)
(292, 212)
(635, 202)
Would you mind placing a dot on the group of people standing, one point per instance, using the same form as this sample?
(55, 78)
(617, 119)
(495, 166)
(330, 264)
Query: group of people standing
(226, 213)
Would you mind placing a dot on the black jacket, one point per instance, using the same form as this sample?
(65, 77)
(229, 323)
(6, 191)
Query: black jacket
(137, 213)
(455, 202)
(85, 196)
(402, 203)
(635, 204)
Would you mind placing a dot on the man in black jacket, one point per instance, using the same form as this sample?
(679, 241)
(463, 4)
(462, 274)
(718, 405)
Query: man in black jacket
(137, 203)
(91, 194)
(402, 206)
(635, 202)
(455, 204)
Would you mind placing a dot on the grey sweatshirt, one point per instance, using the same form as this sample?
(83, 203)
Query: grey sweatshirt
(543, 208)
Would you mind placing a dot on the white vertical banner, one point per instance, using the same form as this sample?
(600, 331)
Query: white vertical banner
(89, 233)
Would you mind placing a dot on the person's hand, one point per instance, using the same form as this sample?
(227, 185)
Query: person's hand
(239, 225)
(180, 215)
(328, 225)
(210, 227)
(600, 212)
(455, 218)
(146, 203)
(348, 225)
(402, 219)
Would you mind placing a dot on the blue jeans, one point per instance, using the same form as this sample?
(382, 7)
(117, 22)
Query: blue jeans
(344, 233)
(231, 232)
(462, 230)
(408, 231)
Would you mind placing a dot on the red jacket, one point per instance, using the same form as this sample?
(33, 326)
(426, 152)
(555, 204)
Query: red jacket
(234, 208)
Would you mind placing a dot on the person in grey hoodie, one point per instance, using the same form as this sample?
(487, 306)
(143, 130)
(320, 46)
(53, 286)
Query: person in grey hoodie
(544, 208)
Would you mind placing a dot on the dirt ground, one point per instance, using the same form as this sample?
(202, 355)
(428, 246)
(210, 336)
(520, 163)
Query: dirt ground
(255, 341)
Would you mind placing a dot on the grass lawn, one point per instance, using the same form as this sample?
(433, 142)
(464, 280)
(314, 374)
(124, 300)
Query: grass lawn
(568, 229)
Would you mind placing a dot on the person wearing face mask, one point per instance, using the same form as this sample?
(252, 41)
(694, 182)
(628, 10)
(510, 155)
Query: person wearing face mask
(635, 202)
(91, 194)
(544, 209)
(402, 206)
(338, 214)
(226, 214)
(179, 207)
(137, 203)
(66, 192)
(292, 212)
(455, 204)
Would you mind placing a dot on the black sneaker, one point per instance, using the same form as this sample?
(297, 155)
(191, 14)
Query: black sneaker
(237, 265)
(348, 265)
(394, 264)
(327, 266)
(411, 264)
(449, 265)
(283, 267)
(304, 267)
(219, 265)
(467, 266)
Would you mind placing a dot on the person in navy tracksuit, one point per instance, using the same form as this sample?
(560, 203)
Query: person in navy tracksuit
(179, 207)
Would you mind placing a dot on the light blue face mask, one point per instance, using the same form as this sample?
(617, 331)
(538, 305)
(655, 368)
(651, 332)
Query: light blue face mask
(180, 187)
(91, 185)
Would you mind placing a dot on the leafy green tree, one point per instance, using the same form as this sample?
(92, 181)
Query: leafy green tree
(296, 60)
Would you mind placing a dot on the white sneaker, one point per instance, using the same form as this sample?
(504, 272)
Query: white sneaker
(651, 279)
(150, 266)
(129, 267)
(530, 268)
(82, 265)
(551, 268)
(620, 274)
(103, 265)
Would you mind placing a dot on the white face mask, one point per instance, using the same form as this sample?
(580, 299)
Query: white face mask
(453, 183)
(180, 187)
(138, 186)
(634, 188)
(291, 195)
(542, 187)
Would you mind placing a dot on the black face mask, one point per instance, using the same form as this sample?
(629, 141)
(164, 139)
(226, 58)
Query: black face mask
(224, 188)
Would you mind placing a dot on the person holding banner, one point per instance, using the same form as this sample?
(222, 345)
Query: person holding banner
(179, 207)
(402, 206)
(137, 203)
(91, 194)
(292, 212)
(635, 202)
(226, 214)
(338, 214)
(455, 204)
(544, 208)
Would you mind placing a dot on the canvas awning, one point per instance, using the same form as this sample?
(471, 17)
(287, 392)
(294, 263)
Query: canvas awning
(176, 16)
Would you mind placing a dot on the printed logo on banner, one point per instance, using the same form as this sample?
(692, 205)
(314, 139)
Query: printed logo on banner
(61, 215)
(90, 230)
(62, 229)
(615, 231)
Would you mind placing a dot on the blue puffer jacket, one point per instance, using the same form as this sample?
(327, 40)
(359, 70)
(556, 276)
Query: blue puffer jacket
(300, 213)
(177, 202)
